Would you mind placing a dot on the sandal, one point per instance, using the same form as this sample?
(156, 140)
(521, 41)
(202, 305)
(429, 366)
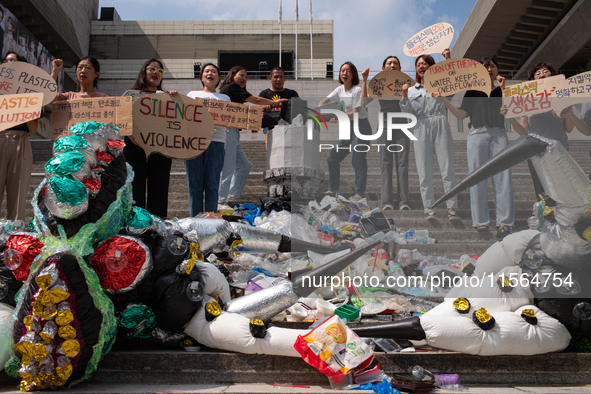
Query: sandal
(329, 193)
(453, 216)
(482, 228)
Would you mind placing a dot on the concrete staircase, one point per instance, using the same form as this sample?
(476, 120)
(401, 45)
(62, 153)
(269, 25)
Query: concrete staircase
(210, 367)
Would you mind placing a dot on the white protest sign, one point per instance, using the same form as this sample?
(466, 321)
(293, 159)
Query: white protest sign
(433, 39)
(19, 108)
(457, 75)
(530, 97)
(573, 90)
(21, 77)
(175, 126)
(388, 84)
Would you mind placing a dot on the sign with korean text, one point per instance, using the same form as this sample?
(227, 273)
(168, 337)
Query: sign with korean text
(174, 126)
(531, 97)
(457, 75)
(433, 39)
(114, 110)
(388, 84)
(573, 90)
(234, 115)
(19, 108)
(21, 78)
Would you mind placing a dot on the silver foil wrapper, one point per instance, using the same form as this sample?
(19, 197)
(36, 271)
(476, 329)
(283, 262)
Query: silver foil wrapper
(213, 233)
(256, 240)
(191, 237)
(88, 152)
(62, 361)
(51, 271)
(143, 272)
(49, 332)
(96, 172)
(61, 209)
(98, 139)
(113, 151)
(564, 181)
(264, 304)
(110, 132)
(35, 325)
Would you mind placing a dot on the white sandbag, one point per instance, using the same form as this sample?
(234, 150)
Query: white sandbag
(215, 282)
(230, 331)
(487, 294)
(511, 335)
(5, 337)
(508, 252)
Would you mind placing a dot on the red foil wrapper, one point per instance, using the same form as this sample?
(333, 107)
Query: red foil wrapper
(29, 248)
(115, 147)
(132, 254)
(93, 186)
(104, 158)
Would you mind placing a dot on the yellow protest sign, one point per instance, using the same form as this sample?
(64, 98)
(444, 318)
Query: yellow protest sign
(175, 126)
(457, 75)
(388, 84)
(21, 78)
(113, 110)
(19, 108)
(234, 115)
(433, 39)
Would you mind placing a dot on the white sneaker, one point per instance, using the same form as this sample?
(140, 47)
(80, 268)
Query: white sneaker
(430, 216)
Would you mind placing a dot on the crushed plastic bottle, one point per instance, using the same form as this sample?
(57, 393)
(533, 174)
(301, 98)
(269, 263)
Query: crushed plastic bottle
(404, 257)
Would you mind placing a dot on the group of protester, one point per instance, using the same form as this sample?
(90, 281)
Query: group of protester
(219, 175)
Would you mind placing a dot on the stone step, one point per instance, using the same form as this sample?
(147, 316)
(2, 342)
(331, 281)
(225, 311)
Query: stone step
(211, 367)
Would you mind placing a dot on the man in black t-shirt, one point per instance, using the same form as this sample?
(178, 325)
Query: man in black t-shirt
(277, 91)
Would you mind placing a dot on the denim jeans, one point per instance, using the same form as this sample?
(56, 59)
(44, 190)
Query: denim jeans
(203, 176)
(434, 135)
(358, 159)
(484, 143)
(236, 168)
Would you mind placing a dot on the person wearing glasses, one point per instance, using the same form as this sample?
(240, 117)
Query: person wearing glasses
(155, 172)
(547, 124)
(16, 160)
(88, 70)
(486, 138)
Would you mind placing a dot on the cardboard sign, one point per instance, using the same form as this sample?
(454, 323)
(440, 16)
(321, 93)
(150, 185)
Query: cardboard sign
(388, 84)
(21, 77)
(113, 110)
(433, 39)
(574, 90)
(179, 127)
(457, 75)
(530, 97)
(19, 108)
(234, 115)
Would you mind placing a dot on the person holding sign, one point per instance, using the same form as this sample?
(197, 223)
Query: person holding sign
(87, 72)
(236, 165)
(155, 171)
(16, 160)
(387, 157)
(547, 124)
(203, 172)
(433, 135)
(486, 138)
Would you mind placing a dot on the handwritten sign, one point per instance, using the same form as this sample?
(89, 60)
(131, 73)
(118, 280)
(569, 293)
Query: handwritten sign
(573, 90)
(388, 84)
(234, 115)
(19, 108)
(433, 39)
(21, 77)
(456, 75)
(530, 97)
(179, 127)
(114, 110)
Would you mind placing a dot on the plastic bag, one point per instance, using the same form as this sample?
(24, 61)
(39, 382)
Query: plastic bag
(333, 348)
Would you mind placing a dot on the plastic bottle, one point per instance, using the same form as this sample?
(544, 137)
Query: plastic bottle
(404, 257)
(416, 255)
(409, 234)
(421, 233)
(394, 269)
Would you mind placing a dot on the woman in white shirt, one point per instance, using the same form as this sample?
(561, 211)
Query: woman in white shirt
(433, 135)
(349, 96)
(203, 172)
